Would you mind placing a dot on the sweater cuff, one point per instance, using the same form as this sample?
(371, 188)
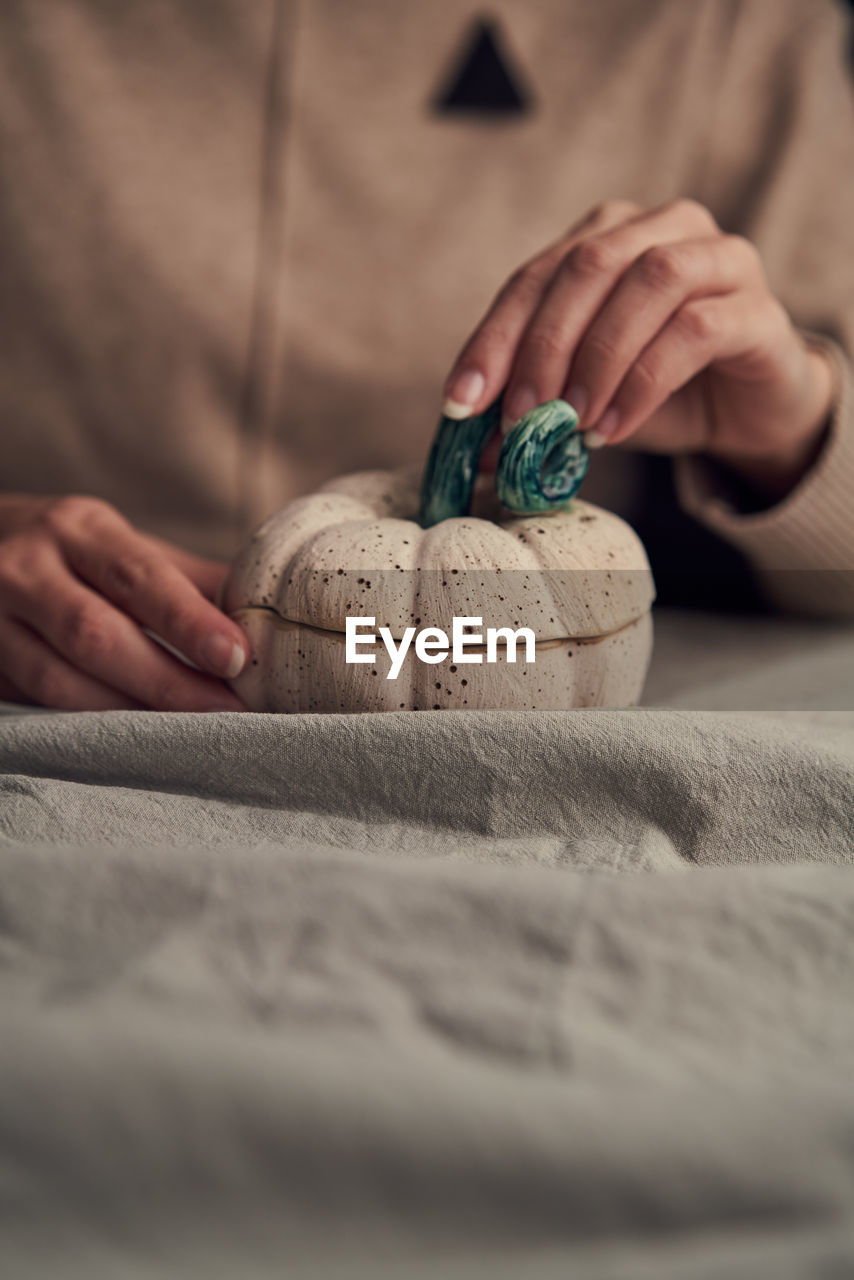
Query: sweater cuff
(803, 547)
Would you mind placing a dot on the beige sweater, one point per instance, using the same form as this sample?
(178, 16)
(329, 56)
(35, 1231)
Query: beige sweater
(239, 251)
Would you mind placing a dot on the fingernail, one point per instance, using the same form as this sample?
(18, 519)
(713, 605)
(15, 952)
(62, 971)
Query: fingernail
(222, 655)
(463, 392)
(520, 403)
(604, 430)
(578, 399)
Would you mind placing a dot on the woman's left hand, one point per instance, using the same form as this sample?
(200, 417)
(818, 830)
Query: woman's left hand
(661, 331)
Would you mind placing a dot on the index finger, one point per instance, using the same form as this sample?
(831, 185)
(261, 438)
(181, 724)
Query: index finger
(207, 575)
(484, 364)
(103, 549)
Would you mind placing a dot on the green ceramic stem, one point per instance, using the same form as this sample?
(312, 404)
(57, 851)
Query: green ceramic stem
(540, 467)
(451, 470)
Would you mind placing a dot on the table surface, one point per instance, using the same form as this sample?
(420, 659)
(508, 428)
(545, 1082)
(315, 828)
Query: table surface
(723, 662)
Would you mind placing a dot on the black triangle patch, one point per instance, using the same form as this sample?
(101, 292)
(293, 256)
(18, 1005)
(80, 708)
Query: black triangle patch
(482, 80)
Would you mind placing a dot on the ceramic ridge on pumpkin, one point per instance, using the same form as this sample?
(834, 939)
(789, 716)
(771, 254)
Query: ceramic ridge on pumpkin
(354, 548)
(542, 462)
(301, 669)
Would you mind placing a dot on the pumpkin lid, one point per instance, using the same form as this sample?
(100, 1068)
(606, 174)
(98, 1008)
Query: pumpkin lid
(354, 548)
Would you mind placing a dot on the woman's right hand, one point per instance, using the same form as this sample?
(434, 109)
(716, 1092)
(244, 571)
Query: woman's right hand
(78, 585)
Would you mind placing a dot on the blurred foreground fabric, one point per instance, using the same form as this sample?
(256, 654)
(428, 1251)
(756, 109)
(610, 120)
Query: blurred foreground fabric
(439, 994)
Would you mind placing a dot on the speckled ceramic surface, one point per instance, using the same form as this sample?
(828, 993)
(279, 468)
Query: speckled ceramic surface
(355, 548)
(303, 669)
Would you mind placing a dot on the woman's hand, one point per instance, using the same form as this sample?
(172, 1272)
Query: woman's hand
(77, 586)
(660, 330)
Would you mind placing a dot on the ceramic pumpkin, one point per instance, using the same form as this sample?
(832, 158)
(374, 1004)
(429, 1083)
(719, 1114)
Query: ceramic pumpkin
(377, 545)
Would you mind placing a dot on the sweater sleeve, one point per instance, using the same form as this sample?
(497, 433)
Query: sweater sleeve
(802, 549)
(784, 176)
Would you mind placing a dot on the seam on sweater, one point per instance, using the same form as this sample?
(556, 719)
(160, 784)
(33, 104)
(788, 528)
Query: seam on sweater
(253, 407)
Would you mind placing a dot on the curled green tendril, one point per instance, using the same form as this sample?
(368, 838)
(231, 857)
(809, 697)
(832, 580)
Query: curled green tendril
(542, 460)
(540, 467)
